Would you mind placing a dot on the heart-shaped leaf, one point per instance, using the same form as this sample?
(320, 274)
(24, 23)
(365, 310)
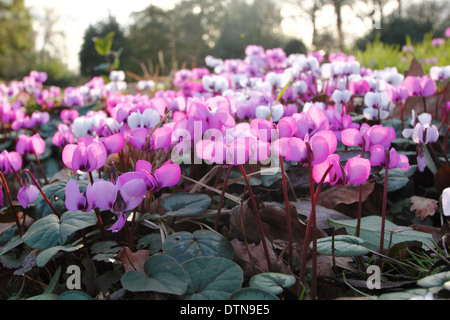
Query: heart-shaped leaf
(272, 282)
(212, 278)
(252, 294)
(397, 178)
(162, 274)
(435, 280)
(51, 231)
(185, 245)
(185, 204)
(370, 232)
(74, 295)
(344, 246)
(47, 254)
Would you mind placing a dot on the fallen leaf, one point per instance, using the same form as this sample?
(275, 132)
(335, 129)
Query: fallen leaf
(253, 259)
(347, 194)
(273, 220)
(133, 260)
(424, 207)
(303, 207)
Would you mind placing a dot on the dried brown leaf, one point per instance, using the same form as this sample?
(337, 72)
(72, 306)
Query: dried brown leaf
(346, 194)
(133, 260)
(424, 207)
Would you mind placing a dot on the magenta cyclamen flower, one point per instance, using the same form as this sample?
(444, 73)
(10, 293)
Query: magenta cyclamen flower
(87, 155)
(30, 145)
(356, 171)
(378, 158)
(118, 198)
(368, 136)
(10, 161)
(420, 86)
(322, 144)
(28, 193)
(77, 201)
(167, 175)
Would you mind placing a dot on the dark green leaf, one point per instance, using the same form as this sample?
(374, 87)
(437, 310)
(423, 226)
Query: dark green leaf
(212, 278)
(272, 282)
(344, 246)
(185, 245)
(185, 204)
(162, 274)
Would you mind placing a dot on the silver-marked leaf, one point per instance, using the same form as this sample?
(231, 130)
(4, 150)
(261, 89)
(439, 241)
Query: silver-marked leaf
(51, 231)
(344, 246)
(47, 254)
(272, 282)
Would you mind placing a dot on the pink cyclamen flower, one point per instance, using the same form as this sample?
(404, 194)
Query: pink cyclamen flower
(63, 136)
(436, 42)
(77, 201)
(68, 115)
(420, 86)
(167, 175)
(87, 155)
(356, 171)
(378, 158)
(10, 161)
(118, 197)
(30, 145)
(28, 193)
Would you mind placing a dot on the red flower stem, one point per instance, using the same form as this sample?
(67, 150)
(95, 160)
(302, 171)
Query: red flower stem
(222, 195)
(258, 218)
(424, 104)
(402, 114)
(358, 221)
(42, 192)
(288, 215)
(383, 209)
(311, 224)
(40, 167)
(8, 194)
(97, 213)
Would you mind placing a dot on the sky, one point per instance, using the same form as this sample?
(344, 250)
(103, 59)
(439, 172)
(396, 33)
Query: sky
(74, 19)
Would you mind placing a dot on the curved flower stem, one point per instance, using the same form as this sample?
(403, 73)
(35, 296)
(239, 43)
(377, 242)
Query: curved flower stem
(222, 195)
(288, 215)
(40, 167)
(8, 194)
(383, 209)
(97, 213)
(42, 192)
(258, 218)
